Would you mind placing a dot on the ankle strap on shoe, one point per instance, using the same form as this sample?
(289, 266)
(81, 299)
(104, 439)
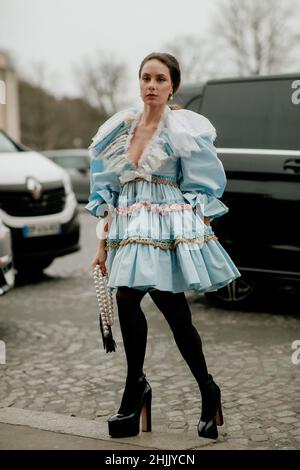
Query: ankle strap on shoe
(134, 380)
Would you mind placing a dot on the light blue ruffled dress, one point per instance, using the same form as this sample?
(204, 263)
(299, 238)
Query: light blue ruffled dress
(157, 237)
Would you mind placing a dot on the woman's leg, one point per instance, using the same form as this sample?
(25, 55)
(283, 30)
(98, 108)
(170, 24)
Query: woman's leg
(175, 309)
(134, 331)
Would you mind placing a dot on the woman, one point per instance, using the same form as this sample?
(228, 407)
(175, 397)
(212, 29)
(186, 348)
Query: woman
(155, 183)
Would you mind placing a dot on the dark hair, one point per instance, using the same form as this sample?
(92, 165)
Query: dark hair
(173, 65)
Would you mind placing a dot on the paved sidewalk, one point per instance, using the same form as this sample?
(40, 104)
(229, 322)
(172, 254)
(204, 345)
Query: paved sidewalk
(24, 430)
(56, 364)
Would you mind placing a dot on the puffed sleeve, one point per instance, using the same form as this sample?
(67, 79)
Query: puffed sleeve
(202, 178)
(104, 182)
(104, 189)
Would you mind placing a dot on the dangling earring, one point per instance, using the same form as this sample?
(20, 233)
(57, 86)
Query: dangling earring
(171, 97)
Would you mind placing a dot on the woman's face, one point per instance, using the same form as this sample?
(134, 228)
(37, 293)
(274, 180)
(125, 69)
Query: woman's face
(155, 83)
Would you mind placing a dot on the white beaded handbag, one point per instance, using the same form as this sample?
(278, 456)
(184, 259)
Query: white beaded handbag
(106, 309)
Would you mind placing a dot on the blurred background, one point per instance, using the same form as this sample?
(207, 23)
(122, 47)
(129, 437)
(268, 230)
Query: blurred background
(69, 65)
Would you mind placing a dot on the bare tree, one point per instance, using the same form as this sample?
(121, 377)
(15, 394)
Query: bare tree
(195, 57)
(253, 37)
(102, 82)
(39, 74)
(48, 122)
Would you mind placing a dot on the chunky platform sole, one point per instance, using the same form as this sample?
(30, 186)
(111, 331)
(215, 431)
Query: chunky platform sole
(129, 425)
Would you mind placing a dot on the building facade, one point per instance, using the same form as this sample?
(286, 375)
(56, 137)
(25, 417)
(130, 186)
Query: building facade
(9, 98)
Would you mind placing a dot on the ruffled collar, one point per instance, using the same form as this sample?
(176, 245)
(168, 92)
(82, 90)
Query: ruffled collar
(177, 128)
(153, 139)
(153, 155)
(184, 127)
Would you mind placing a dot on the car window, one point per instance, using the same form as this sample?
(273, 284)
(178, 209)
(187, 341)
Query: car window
(77, 162)
(6, 145)
(189, 97)
(253, 114)
(194, 104)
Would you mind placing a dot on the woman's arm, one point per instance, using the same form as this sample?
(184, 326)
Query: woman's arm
(104, 229)
(101, 254)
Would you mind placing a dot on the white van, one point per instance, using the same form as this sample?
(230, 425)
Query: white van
(39, 206)
(7, 272)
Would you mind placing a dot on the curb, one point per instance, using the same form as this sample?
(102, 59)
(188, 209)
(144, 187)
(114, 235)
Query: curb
(81, 427)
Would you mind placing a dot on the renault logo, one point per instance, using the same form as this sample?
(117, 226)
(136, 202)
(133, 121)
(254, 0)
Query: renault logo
(34, 187)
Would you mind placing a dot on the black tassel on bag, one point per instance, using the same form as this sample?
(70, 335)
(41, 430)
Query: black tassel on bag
(106, 309)
(109, 343)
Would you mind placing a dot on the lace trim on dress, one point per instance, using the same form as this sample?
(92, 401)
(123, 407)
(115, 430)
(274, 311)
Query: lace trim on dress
(149, 146)
(156, 179)
(161, 208)
(164, 245)
(153, 155)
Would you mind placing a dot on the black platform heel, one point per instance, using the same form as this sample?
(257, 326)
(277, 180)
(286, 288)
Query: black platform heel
(212, 415)
(126, 422)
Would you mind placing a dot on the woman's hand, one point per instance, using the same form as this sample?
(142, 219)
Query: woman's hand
(100, 259)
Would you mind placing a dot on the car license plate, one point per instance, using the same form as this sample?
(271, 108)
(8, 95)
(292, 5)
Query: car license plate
(41, 230)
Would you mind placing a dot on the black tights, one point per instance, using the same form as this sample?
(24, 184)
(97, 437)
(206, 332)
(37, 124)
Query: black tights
(134, 328)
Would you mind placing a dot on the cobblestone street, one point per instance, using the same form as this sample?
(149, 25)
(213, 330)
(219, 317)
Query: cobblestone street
(55, 360)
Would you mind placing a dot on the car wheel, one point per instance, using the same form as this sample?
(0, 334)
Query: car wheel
(237, 293)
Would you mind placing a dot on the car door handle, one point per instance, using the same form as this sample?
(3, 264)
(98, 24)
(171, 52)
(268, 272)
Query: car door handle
(292, 166)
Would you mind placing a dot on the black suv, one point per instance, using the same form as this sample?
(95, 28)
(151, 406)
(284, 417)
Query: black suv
(258, 141)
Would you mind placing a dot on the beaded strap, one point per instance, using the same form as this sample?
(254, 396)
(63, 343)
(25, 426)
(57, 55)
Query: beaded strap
(106, 310)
